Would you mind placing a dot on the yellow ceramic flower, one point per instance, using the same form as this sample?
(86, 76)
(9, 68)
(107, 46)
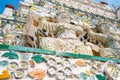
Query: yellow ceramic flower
(20, 27)
(5, 75)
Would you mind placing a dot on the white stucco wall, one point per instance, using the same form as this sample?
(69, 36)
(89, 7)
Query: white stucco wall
(91, 6)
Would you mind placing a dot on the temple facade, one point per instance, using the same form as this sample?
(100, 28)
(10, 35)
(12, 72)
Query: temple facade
(60, 40)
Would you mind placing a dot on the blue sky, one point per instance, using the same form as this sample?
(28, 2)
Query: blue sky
(15, 3)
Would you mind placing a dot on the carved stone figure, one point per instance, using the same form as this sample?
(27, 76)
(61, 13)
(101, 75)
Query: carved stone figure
(110, 42)
(52, 26)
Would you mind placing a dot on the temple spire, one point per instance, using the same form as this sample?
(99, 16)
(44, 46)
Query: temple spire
(8, 11)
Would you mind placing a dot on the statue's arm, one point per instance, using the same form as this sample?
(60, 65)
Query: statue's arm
(97, 36)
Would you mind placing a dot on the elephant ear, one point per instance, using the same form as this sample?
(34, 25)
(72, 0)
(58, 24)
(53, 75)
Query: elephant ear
(38, 58)
(10, 55)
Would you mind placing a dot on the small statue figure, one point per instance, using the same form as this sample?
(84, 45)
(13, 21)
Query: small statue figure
(9, 38)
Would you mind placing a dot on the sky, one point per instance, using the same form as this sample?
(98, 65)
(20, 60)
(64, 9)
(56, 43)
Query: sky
(15, 3)
(111, 2)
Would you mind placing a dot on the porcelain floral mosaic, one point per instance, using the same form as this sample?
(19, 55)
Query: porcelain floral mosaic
(19, 65)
